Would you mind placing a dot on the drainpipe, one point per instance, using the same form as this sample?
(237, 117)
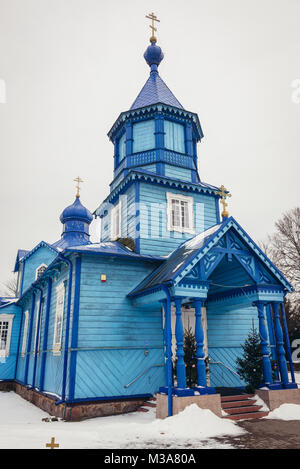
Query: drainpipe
(37, 338)
(74, 339)
(46, 328)
(66, 348)
(168, 349)
(19, 341)
(29, 339)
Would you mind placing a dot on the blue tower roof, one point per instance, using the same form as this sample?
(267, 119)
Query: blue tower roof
(155, 90)
(76, 220)
(76, 211)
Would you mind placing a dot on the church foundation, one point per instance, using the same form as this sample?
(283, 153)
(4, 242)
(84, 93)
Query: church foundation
(206, 401)
(76, 411)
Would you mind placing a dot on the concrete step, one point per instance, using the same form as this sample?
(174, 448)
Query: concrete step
(246, 416)
(240, 397)
(243, 410)
(149, 404)
(244, 403)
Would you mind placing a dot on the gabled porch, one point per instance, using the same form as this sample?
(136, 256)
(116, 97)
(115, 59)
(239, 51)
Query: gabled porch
(221, 274)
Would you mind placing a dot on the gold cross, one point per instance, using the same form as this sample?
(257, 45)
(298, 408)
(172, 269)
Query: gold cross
(78, 180)
(223, 192)
(151, 16)
(52, 445)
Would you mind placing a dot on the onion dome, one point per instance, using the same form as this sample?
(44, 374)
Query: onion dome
(76, 211)
(76, 220)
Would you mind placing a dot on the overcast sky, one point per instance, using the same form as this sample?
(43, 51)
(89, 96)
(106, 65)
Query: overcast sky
(71, 66)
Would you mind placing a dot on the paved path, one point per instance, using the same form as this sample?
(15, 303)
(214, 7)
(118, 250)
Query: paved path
(266, 434)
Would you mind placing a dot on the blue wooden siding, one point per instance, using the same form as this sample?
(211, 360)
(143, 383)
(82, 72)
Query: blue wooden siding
(128, 219)
(54, 362)
(42, 255)
(147, 167)
(155, 238)
(227, 330)
(114, 333)
(143, 135)
(174, 136)
(8, 364)
(229, 322)
(178, 173)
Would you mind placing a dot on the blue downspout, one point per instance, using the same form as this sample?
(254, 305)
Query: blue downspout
(37, 337)
(74, 340)
(66, 349)
(19, 341)
(168, 338)
(29, 338)
(45, 341)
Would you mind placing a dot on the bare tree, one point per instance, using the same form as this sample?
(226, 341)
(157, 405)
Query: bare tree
(283, 248)
(10, 287)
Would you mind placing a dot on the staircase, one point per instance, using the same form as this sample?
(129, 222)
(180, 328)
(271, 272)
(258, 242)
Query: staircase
(151, 402)
(241, 407)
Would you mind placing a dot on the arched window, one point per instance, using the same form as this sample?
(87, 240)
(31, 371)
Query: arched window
(40, 270)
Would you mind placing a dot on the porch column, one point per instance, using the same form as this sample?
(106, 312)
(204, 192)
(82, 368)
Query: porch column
(280, 346)
(287, 341)
(168, 350)
(201, 370)
(264, 343)
(179, 333)
(272, 338)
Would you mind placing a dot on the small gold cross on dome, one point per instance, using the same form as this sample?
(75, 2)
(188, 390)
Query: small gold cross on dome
(78, 180)
(52, 445)
(152, 17)
(223, 192)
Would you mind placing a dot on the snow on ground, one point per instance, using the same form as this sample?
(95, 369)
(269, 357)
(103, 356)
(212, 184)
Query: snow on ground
(21, 426)
(285, 412)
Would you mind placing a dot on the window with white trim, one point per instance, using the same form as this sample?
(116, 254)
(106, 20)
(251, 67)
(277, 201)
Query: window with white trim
(25, 333)
(180, 213)
(116, 222)
(40, 270)
(59, 316)
(6, 321)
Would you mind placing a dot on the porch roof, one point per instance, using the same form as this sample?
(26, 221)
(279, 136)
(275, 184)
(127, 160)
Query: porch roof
(184, 258)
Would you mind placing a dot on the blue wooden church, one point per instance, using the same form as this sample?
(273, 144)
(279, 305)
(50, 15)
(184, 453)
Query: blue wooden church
(102, 324)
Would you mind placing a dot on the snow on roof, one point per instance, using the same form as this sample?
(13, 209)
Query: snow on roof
(175, 260)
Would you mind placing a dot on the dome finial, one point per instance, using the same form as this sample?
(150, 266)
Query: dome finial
(78, 180)
(151, 16)
(153, 54)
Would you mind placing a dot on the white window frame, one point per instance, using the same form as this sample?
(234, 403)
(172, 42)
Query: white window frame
(190, 207)
(116, 229)
(37, 270)
(59, 317)
(25, 333)
(7, 318)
